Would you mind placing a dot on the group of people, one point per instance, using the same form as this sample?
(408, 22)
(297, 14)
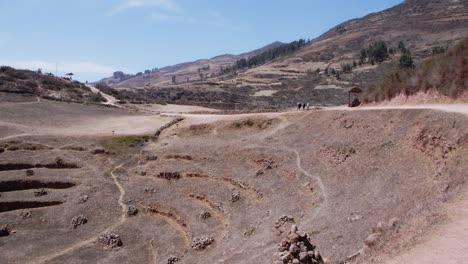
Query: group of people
(303, 106)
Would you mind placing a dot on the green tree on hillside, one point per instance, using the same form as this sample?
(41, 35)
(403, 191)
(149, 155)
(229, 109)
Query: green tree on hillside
(402, 47)
(406, 61)
(173, 79)
(363, 55)
(378, 51)
(347, 68)
(119, 75)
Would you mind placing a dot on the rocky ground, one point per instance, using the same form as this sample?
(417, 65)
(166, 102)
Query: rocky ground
(364, 186)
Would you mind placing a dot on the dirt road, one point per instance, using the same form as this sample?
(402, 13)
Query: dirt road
(453, 108)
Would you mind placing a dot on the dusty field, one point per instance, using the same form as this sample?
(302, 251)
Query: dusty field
(229, 178)
(56, 118)
(169, 108)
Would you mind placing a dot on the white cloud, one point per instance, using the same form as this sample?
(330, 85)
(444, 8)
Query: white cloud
(209, 18)
(167, 5)
(169, 11)
(75, 67)
(161, 17)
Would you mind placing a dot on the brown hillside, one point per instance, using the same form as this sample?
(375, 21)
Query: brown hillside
(186, 70)
(32, 84)
(444, 73)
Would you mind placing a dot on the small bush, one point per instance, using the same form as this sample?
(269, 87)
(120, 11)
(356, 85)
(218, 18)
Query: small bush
(347, 68)
(406, 61)
(438, 50)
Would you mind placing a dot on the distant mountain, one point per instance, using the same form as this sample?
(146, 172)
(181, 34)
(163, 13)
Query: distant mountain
(419, 24)
(321, 71)
(190, 70)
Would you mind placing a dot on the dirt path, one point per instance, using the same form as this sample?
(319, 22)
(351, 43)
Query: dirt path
(320, 184)
(452, 108)
(124, 207)
(83, 243)
(17, 136)
(110, 99)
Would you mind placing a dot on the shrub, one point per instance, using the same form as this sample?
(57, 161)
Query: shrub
(445, 73)
(406, 61)
(378, 51)
(31, 83)
(347, 68)
(438, 50)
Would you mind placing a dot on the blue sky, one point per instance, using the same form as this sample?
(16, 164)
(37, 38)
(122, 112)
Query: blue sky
(93, 38)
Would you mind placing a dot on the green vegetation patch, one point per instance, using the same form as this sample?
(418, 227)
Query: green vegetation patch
(124, 142)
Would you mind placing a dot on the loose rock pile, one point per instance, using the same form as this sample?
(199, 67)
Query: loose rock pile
(41, 192)
(283, 220)
(83, 199)
(172, 260)
(78, 220)
(110, 239)
(205, 215)
(266, 165)
(169, 175)
(297, 248)
(99, 151)
(202, 242)
(336, 154)
(235, 197)
(179, 157)
(132, 210)
(151, 158)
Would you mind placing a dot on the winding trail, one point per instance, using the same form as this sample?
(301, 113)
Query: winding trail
(124, 207)
(319, 181)
(123, 218)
